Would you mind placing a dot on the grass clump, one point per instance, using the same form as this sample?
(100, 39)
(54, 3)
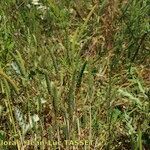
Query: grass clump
(74, 74)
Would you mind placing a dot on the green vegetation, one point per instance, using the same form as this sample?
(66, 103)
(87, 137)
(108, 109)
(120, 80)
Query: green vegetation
(76, 70)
